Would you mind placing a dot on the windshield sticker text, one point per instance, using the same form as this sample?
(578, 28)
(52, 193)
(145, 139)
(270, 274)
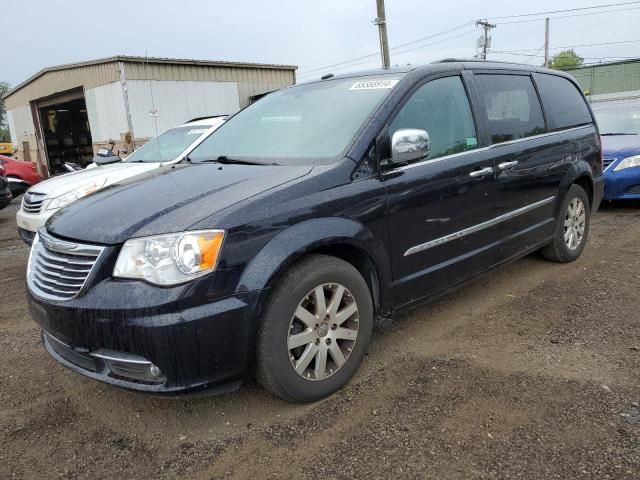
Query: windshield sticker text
(374, 84)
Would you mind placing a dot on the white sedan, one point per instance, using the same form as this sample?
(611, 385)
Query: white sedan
(46, 198)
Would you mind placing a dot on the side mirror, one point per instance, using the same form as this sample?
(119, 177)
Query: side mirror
(99, 160)
(409, 144)
(105, 156)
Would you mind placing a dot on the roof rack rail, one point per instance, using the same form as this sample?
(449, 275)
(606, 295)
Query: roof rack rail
(206, 118)
(451, 60)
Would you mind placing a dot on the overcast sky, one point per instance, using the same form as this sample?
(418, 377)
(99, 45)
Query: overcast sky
(306, 33)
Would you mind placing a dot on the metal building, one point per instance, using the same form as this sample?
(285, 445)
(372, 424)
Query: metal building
(65, 113)
(609, 81)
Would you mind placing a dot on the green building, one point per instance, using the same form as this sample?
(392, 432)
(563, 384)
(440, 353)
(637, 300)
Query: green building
(609, 81)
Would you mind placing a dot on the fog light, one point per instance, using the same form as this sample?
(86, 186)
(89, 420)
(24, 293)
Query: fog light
(130, 367)
(154, 371)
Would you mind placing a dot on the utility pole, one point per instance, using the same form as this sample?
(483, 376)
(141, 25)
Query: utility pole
(546, 42)
(381, 22)
(485, 41)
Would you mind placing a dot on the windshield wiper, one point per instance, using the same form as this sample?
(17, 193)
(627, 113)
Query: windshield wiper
(235, 161)
(611, 134)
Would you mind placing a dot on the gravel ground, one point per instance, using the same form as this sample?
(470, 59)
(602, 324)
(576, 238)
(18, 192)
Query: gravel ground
(532, 372)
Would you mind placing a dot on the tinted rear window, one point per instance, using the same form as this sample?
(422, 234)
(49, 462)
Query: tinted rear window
(562, 101)
(512, 106)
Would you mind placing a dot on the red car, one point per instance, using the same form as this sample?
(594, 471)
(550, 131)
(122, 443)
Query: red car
(21, 175)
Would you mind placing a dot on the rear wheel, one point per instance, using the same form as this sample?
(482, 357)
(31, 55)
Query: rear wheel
(315, 330)
(572, 227)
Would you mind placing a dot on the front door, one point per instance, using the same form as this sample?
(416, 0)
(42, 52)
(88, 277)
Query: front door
(438, 207)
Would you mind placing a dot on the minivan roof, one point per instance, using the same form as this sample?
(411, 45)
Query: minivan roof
(441, 65)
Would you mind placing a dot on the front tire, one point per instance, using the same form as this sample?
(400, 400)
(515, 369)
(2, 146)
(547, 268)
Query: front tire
(572, 227)
(315, 330)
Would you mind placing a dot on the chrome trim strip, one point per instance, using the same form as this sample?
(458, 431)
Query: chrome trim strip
(490, 147)
(439, 159)
(120, 357)
(476, 228)
(614, 160)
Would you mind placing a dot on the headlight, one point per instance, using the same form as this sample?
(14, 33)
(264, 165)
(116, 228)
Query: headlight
(67, 198)
(170, 259)
(628, 163)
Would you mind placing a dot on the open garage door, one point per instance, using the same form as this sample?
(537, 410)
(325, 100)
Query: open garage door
(64, 126)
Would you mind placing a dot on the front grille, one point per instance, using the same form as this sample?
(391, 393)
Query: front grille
(58, 269)
(607, 161)
(32, 202)
(635, 190)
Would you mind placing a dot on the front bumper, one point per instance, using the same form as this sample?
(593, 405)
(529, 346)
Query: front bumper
(32, 222)
(197, 348)
(623, 184)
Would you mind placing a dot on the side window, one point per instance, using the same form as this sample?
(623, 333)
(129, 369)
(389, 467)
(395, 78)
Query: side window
(512, 106)
(562, 101)
(440, 107)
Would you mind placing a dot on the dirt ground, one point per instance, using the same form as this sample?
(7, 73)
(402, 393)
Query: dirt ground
(532, 372)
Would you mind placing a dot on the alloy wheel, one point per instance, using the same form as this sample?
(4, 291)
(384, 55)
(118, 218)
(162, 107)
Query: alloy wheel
(574, 224)
(323, 331)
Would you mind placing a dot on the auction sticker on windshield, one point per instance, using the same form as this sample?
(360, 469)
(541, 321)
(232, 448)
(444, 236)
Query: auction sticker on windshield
(374, 84)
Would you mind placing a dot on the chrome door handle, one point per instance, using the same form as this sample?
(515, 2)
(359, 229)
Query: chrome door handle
(481, 173)
(505, 165)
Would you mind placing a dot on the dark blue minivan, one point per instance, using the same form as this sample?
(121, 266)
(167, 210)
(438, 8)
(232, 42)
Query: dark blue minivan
(274, 247)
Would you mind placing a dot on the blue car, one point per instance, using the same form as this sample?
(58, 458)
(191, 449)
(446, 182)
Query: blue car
(619, 123)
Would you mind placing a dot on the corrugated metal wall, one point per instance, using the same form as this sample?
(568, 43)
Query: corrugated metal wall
(61, 80)
(251, 81)
(106, 112)
(22, 130)
(177, 102)
(105, 105)
(607, 79)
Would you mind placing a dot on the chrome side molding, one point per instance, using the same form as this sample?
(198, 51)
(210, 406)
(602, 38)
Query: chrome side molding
(476, 228)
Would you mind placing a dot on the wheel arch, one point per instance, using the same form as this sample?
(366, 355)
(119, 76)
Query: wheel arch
(579, 174)
(346, 239)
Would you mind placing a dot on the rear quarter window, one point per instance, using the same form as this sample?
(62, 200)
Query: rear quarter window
(564, 104)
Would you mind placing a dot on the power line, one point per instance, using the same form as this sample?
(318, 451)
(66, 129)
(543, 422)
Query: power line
(542, 56)
(575, 46)
(413, 42)
(592, 7)
(437, 42)
(569, 16)
(361, 60)
(351, 65)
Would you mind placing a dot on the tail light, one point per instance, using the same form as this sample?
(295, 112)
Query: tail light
(33, 167)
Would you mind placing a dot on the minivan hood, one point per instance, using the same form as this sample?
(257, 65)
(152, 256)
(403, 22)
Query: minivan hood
(620, 146)
(113, 173)
(165, 200)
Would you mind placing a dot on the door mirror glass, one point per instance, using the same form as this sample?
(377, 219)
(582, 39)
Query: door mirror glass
(409, 144)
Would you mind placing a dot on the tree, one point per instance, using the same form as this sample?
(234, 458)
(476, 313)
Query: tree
(565, 60)
(4, 130)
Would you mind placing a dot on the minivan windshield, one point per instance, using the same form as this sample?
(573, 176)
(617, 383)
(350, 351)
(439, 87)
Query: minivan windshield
(304, 125)
(618, 118)
(167, 146)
